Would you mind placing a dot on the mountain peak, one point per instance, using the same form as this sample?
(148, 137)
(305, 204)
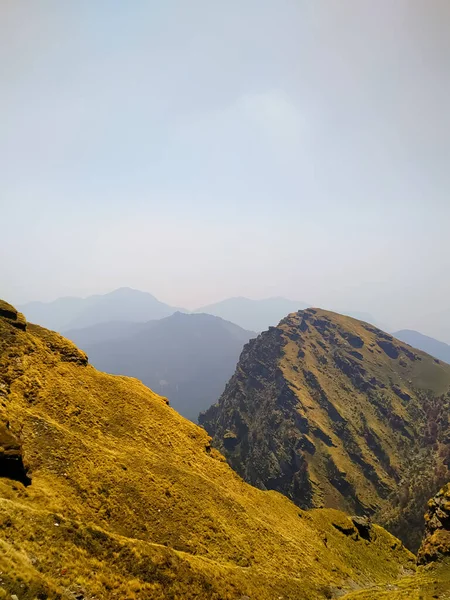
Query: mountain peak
(327, 410)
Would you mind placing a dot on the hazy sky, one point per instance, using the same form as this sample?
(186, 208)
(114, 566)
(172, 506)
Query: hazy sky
(201, 149)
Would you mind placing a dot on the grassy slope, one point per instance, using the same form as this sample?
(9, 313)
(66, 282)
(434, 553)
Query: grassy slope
(328, 402)
(430, 582)
(355, 404)
(129, 501)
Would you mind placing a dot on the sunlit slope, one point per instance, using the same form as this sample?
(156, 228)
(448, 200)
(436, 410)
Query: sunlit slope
(128, 500)
(331, 411)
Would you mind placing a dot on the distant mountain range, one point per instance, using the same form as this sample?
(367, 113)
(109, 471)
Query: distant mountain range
(123, 304)
(126, 305)
(133, 306)
(186, 357)
(438, 349)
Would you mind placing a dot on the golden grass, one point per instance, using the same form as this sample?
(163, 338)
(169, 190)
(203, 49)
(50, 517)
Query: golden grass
(427, 584)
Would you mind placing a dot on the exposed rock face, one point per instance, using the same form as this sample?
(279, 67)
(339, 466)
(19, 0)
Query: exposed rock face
(11, 460)
(15, 318)
(327, 410)
(436, 542)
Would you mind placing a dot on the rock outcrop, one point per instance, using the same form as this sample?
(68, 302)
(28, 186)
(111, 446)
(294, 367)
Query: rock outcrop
(436, 541)
(10, 314)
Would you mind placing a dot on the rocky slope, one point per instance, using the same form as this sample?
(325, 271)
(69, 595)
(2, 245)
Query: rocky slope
(106, 492)
(334, 412)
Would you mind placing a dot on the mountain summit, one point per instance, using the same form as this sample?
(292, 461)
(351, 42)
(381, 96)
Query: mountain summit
(334, 412)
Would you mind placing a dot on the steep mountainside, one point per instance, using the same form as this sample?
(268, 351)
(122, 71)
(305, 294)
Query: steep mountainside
(107, 492)
(123, 304)
(333, 412)
(256, 315)
(438, 349)
(188, 358)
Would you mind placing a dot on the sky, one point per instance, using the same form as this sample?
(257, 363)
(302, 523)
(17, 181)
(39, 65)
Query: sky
(201, 150)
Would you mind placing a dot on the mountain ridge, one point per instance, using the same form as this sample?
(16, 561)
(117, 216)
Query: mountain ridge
(327, 410)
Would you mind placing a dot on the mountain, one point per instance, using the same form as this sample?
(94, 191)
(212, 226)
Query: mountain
(334, 412)
(438, 349)
(255, 315)
(186, 357)
(123, 304)
(107, 492)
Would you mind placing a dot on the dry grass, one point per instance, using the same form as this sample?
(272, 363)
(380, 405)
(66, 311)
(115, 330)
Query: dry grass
(427, 584)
